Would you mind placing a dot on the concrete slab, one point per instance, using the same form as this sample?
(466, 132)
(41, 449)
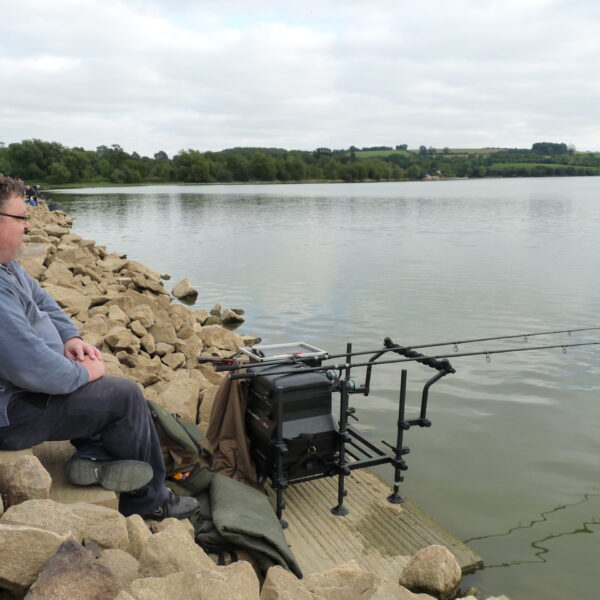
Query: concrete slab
(379, 535)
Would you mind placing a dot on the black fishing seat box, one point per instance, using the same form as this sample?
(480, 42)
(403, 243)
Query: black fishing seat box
(300, 404)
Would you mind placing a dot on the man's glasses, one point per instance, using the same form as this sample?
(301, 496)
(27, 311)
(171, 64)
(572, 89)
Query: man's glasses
(20, 217)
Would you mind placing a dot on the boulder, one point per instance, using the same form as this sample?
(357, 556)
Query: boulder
(280, 584)
(174, 360)
(142, 313)
(67, 298)
(73, 573)
(24, 550)
(120, 338)
(200, 315)
(432, 570)
(138, 328)
(58, 273)
(116, 314)
(222, 339)
(237, 581)
(181, 396)
(170, 551)
(229, 317)
(121, 564)
(184, 290)
(33, 257)
(163, 332)
(105, 526)
(349, 581)
(47, 514)
(25, 479)
(138, 533)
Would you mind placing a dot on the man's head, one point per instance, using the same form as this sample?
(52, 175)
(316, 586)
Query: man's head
(12, 223)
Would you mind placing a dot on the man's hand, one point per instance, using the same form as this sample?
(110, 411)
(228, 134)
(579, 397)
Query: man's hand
(77, 349)
(95, 368)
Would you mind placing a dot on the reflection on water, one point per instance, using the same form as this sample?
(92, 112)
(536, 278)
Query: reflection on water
(419, 262)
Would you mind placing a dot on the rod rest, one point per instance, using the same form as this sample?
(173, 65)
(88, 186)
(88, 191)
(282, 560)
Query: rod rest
(435, 363)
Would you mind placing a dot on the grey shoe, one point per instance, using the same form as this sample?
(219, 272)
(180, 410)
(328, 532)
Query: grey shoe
(115, 475)
(178, 507)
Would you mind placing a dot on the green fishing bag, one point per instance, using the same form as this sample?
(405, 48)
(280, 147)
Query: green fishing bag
(186, 461)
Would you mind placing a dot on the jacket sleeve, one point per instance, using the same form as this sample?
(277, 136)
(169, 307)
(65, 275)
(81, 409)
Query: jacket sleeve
(47, 304)
(25, 358)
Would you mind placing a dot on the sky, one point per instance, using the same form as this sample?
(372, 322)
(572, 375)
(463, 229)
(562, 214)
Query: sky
(168, 75)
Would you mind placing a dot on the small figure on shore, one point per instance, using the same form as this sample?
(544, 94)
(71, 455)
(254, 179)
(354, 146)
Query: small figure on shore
(31, 195)
(53, 387)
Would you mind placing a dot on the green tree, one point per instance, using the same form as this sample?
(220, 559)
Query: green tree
(59, 173)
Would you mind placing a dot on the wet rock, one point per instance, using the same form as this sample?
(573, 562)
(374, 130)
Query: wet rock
(73, 573)
(229, 317)
(184, 290)
(432, 570)
(25, 479)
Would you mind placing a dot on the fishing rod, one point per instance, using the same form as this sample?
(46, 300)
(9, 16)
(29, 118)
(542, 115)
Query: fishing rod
(231, 366)
(420, 358)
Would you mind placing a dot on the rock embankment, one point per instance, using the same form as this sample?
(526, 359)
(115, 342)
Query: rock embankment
(60, 541)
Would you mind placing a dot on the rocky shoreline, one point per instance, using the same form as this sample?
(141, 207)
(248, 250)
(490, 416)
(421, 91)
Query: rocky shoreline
(59, 541)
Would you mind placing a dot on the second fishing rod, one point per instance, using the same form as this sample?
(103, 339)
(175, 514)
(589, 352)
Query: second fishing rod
(390, 347)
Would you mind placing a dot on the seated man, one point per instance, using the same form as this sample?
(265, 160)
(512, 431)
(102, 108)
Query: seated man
(53, 387)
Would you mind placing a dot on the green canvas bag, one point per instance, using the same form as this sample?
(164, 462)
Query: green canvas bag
(185, 459)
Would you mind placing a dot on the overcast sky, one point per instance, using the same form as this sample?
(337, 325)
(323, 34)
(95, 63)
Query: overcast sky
(167, 75)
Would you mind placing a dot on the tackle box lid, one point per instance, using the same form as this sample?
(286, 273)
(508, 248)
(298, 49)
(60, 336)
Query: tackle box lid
(281, 352)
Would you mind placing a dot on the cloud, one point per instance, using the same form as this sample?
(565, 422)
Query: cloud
(162, 75)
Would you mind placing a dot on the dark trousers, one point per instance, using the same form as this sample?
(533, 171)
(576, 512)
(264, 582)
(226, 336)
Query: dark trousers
(107, 418)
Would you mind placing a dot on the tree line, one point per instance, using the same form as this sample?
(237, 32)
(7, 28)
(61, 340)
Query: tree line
(38, 161)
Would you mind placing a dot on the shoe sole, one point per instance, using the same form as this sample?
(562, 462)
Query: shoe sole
(114, 475)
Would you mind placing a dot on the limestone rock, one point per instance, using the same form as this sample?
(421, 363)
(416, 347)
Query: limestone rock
(47, 514)
(350, 581)
(112, 263)
(171, 551)
(181, 396)
(25, 479)
(24, 550)
(280, 584)
(220, 338)
(163, 332)
(33, 257)
(163, 349)
(432, 570)
(138, 329)
(174, 361)
(233, 582)
(142, 313)
(184, 290)
(105, 526)
(69, 299)
(120, 338)
(73, 573)
(138, 533)
(116, 314)
(121, 564)
(58, 273)
(229, 317)
(200, 315)
(180, 316)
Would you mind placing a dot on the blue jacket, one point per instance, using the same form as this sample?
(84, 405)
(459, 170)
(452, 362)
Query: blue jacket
(33, 329)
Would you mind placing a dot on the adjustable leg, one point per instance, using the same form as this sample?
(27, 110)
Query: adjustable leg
(395, 497)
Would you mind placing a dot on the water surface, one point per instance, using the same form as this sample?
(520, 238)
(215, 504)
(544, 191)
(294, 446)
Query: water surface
(511, 462)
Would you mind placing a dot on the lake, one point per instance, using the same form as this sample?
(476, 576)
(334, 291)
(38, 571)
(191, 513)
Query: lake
(510, 464)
